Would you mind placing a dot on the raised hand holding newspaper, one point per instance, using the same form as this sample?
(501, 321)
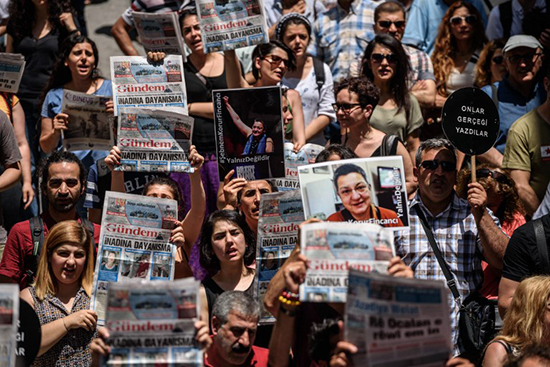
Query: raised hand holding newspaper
(134, 243)
(396, 321)
(160, 32)
(152, 323)
(293, 160)
(334, 248)
(11, 71)
(9, 316)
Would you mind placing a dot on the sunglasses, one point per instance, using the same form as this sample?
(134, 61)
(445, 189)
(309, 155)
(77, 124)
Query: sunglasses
(276, 60)
(457, 20)
(527, 58)
(446, 166)
(392, 59)
(345, 107)
(388, 23)
(498, 59)
(497, 176)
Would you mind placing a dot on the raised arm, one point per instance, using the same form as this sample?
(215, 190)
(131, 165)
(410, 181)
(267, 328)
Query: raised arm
(243, 128)
(408, 166)
(233, 75)
(120, 32)
(298, 125)
(192, 224)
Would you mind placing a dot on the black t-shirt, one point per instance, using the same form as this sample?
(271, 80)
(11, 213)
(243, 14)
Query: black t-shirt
(522, 258)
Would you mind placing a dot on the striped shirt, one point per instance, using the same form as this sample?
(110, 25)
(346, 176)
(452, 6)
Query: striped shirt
(155, 6)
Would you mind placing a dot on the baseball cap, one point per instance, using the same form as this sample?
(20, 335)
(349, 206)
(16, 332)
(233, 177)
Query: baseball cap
(521, 40)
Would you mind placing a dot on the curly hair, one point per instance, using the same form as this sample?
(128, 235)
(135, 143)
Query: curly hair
(483, 65)
(508, 191)
(367, 92)
(524, 322)
(445, 49)
(207, 257)
(22, 16)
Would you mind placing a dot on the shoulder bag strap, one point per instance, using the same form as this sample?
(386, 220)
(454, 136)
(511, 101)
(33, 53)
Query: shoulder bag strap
(542, 245)
(451, 283)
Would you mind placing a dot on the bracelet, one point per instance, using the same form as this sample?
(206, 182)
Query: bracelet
(63, 319)
(286, 311)
(289, 298)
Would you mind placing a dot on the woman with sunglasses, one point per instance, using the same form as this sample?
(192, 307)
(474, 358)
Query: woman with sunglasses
(504, 202)
(294, 30)
(386, 64)
(270, 62)
(356, 98)
(490, 66)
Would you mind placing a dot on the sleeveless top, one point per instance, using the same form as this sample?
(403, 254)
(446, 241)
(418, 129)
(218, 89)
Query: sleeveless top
(74, 348)
(213, 290)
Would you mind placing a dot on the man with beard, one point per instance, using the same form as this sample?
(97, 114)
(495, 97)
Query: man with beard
(235, 317)
(464, 230)
(63, 182)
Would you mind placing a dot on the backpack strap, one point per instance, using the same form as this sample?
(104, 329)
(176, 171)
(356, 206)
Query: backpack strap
(90, 227)
(37, 235)
(542, 245)
(8, 97)
(494, 94)
(319, 69)
(506, 16)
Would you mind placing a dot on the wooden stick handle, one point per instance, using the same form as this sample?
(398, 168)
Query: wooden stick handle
(473, 164)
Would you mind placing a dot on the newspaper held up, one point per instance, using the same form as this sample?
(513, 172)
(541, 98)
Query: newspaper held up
(160, 32)
(154, 140)
(397, 321)
(90, 126)
(11, 71)
(293, 160)
(228, 25)
(152, 323)
(138, 83)
(9, 319)
(280, 215)
(334, 248)
(134, 243)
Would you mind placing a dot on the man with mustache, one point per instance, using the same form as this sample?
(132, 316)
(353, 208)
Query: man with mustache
(235, 319)
(63, 183)
(464, 230)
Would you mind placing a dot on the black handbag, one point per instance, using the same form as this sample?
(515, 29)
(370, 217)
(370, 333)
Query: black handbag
(476, 325)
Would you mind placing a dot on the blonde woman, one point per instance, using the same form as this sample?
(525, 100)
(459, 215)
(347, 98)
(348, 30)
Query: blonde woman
(527, 321)
(61, 296)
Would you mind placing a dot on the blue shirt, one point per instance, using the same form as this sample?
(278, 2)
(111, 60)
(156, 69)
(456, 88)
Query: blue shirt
(512, 105)
(424, 20)
(274, 11)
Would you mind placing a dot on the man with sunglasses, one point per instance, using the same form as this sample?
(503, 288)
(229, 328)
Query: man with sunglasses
(464, 230)
(389, 18)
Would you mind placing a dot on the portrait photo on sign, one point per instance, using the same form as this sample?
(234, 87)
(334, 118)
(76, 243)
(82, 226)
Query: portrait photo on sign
(249, 132)
(367, 190)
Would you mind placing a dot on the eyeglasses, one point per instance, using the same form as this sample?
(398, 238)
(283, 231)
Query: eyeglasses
(388, 23)
(345, 107)
(498, 59)
(392, 59)
(276, 60)
(497, 176)
(457, 20)
(446, 166)
(527, 58)
(360, 189)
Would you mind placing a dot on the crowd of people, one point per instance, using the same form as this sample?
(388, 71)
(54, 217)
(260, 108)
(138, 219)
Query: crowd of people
(362, 78)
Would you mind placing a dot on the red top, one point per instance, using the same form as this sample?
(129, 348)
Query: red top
(258, 358)
(388, 218)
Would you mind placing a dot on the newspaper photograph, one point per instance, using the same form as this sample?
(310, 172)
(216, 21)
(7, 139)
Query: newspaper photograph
(11, 71)
(280, 215)
(9, 320)
(396, 321)
(151, 323)
(138, 83)
(134, 243)
(154, 140)
(249, 132)
(334, 248)
(293, 160)
(159, 32)
(90, 126)
(365, 190)
(228, 25)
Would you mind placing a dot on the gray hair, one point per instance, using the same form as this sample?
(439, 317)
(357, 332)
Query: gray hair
(235, 301)
(434, 143)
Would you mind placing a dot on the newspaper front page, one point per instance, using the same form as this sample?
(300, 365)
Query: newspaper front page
(11, 71)
(228, 25)
(280, 215)
(397, 322)
(334, 248)
(151, 323)
(138, 83)
(154, 140)
(159, 32)
(9, 319)
(90, 126)
(134, 243)
(293, 160)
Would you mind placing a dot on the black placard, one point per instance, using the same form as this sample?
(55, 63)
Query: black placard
(29, 335)
(470, 121)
